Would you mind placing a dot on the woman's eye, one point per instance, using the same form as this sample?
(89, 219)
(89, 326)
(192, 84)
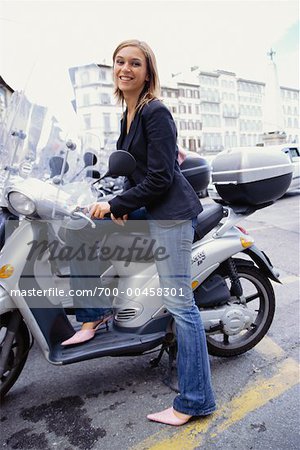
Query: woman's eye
(136, 64)
(118, 61)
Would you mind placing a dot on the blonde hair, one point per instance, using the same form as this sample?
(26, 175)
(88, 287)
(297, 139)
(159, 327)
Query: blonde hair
(151, 89)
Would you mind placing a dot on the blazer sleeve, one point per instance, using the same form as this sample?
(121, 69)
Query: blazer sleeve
(160, 135)
(126, 184)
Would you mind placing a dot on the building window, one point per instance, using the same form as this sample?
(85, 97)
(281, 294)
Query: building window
(192, 145)
(85, 77)
(233, 140)
(86, 99)
(87, 121)
(105, 99)
(106, 122)
(102, 74)
(243, 140)
(227, 140)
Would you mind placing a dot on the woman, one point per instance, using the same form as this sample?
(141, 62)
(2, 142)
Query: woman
(148, 132)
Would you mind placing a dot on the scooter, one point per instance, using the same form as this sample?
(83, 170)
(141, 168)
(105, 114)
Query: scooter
(234, 293)
(230, 276)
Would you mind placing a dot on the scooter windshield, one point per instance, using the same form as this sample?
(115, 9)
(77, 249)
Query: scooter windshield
(44, 138)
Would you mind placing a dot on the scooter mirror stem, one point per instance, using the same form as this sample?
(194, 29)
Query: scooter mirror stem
(120, 163)
(107, 174)
(71, 145)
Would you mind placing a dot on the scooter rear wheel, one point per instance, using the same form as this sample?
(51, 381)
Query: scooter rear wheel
(17, 355)
(260, 298)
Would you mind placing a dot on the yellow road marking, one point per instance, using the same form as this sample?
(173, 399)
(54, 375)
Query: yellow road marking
(290, 279)
(264, 391)
(267, 347)
(183, 440)
(254, 396)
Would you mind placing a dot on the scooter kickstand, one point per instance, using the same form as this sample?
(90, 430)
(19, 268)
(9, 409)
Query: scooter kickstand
(171, 379)
(155, 361)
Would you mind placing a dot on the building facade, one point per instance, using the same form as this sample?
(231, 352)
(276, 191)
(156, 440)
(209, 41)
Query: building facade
(212, 110)
(94, 102)
(290, 106)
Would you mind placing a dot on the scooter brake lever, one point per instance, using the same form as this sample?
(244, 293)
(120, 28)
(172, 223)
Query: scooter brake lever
(81, 214)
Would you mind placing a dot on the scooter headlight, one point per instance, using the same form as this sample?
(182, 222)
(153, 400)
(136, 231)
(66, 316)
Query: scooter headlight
(21, 203)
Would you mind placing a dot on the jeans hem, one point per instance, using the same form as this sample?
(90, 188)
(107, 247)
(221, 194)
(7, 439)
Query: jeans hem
(194, 412)
(97, 314)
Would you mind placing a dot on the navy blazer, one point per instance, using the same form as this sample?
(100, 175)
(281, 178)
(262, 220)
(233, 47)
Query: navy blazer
(157, 182)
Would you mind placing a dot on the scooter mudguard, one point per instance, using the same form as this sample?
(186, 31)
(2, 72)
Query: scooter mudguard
(263, 262)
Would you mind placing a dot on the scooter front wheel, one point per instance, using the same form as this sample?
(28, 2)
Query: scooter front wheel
(17, 354)
(260, 298)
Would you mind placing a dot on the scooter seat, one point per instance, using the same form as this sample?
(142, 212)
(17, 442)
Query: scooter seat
(207, 220)
(135, 243)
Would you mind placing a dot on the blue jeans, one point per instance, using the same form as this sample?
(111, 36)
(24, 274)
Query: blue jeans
(196, 396)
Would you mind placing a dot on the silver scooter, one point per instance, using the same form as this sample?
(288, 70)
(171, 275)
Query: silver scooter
(230, 275)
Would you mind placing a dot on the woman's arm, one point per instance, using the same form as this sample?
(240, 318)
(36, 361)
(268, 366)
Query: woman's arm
(126, 184)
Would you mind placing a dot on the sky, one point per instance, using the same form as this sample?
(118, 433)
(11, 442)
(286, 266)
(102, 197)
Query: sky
(230, 35)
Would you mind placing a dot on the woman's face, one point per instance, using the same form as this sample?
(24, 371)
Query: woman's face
(130, 71)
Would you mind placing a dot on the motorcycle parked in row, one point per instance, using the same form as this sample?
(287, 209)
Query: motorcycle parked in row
(230, 275)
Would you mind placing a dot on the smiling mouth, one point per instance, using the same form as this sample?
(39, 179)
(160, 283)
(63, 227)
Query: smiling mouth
(126, 78)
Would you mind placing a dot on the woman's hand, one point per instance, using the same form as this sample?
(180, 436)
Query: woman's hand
(120, 220)
(99, 209)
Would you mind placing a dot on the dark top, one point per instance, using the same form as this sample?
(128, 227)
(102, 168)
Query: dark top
(157, 182)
